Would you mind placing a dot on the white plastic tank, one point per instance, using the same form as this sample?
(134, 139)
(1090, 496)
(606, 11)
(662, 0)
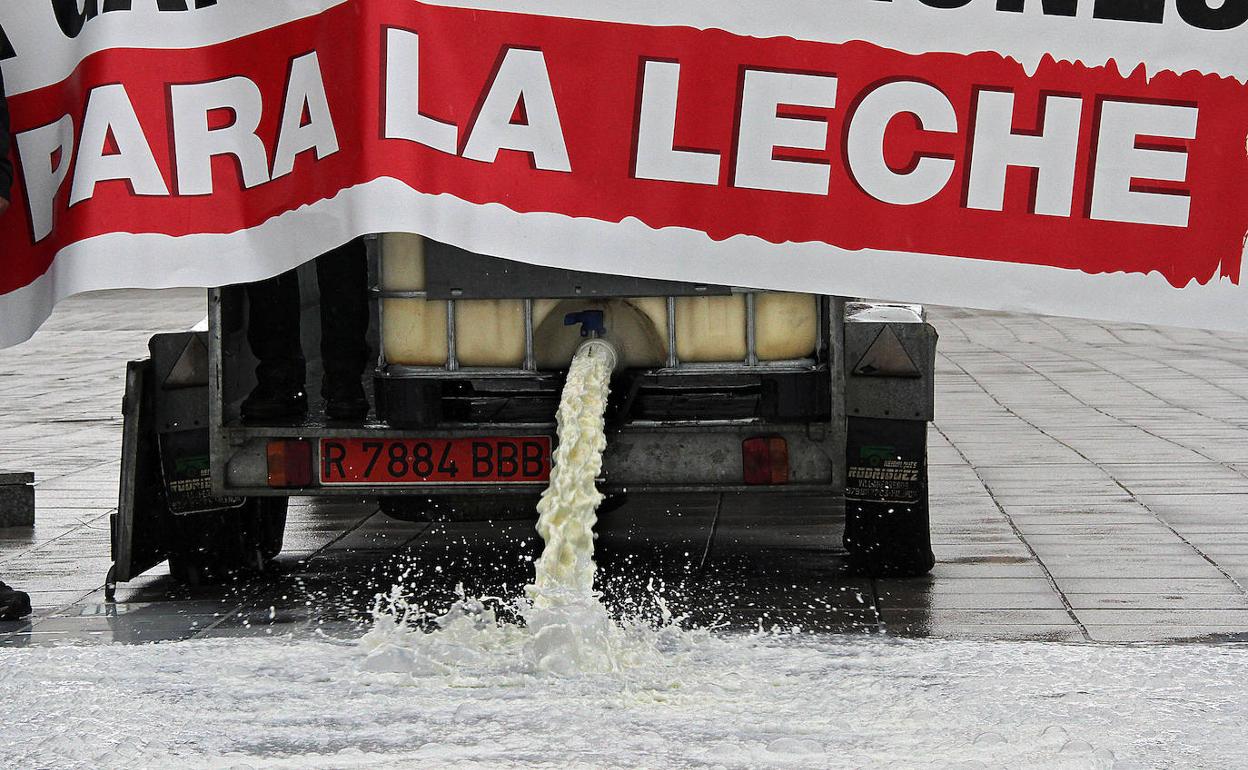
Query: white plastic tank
(711, 329)
(714, 329)
(413, 331)
(786, 326)
(490, 333)
(636, 326)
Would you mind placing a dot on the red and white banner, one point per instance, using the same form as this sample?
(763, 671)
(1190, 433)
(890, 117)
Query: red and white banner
(1073, 157)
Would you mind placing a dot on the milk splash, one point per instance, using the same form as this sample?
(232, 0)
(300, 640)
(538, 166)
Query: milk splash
(567, 630)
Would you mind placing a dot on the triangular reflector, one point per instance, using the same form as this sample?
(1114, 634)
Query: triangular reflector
(191, 370)
(887, 358)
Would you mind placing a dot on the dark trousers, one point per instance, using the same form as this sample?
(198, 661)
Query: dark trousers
(273, 324)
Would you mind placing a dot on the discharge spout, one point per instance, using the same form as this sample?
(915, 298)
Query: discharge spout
(594, 329)
(600, 348)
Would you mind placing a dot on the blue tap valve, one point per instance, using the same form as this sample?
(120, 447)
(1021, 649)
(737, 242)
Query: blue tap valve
(592, 322)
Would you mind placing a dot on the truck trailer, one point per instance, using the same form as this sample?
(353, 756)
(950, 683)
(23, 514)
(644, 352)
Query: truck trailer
(719, 389)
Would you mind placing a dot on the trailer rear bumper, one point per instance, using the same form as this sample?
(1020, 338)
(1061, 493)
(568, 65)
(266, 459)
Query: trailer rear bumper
(639, 458)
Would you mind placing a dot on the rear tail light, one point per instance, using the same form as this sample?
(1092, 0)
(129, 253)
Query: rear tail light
(765, 460)
(290, 463)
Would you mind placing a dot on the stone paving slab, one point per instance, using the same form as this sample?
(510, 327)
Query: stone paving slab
(1089, 483)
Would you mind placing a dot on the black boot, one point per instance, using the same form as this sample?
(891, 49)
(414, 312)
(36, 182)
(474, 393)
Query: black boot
(14, 604)
(343, 278)
(344, 399)
(273, 332)
(274, 402)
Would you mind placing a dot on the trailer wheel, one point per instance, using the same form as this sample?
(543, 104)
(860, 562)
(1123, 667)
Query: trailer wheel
(885, 544)
(272, 525)
(484, 507)
(889, 539)
(214, 546)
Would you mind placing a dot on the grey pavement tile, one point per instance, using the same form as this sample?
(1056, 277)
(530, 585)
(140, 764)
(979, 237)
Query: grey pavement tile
(1176, 600)
(1202, 527)
(1232, 563)
(1023, 496)
(54, 599)
(940, 600)
(173, 608)
(1212, 472)
(1231, 503)
(996, 535)
(1134, 568)
(841, 621)
(987, 631)
(899, 587)
(158, 627)
(1193, 484)
(1168, 633)
(987, 570)
(1178, 616)
(1128, 585)
(27, 638)
(990, 530)
(985, 520)
(1052, 506)
(1011, 449)
(935, 618)
(1014, 550)
(1075, 522)
(1220, 545)
(283, 632)
(1029, 476)
(1108, 537)
(1113, 551)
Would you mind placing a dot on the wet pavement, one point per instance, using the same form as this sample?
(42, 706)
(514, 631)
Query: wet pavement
(1089, 482)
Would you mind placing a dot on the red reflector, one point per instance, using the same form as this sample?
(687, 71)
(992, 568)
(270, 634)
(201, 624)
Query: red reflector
(765, 460)
(290, 463)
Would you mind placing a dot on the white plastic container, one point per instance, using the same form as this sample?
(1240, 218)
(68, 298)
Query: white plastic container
(413, 331)
(490, 333)
(786, 326)
(637, 328)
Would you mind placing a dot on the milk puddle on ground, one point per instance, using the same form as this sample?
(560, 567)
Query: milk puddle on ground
(570, 687)
(566, 628)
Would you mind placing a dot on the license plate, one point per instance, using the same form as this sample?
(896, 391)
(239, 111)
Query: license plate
(524, 460)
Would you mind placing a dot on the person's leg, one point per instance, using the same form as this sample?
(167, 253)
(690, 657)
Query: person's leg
(14, 604)
(273, 332)
(343, 278)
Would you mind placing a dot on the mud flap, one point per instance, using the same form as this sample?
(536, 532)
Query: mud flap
(887, 531)
(166, 509)
(890, 368)
(139, 526)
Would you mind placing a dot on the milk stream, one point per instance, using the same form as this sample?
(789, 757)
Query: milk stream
(567, 511)
(567, 630)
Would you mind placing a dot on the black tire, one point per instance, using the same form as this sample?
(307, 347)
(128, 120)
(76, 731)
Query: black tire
(272, 524)
(483, 507)
(611, 503)
(216, 546)
(888, 539)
